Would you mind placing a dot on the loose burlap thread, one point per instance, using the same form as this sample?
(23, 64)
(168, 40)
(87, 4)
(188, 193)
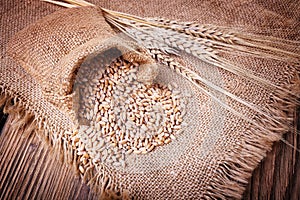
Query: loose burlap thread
(213, 159)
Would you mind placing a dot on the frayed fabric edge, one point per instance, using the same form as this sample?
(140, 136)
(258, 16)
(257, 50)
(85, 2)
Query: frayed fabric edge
(236, 167)
(229, 181)
(97, 177)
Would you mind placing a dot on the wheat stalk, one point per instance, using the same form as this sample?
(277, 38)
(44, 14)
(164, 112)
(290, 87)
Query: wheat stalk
(202, 41)
(70, 3)
(163, 37)
(201, 83)
(204, 44)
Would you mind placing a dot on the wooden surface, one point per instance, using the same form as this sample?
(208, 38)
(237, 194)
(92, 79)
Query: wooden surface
(29, 172)
(278, 175)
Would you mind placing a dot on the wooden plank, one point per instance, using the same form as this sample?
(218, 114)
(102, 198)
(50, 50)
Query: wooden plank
(278, 175)
(28, 171)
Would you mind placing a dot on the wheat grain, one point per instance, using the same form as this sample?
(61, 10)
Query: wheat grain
(127, 115)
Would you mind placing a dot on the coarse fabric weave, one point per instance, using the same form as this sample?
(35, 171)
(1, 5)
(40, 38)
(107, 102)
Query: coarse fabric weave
(43, 46)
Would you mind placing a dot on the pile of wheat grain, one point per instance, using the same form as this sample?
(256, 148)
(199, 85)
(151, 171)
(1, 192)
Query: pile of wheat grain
(123, 115)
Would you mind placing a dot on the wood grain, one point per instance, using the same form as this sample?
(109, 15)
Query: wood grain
(28, 171)
(278, 175)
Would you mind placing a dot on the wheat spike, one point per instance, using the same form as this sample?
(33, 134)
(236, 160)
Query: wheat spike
(163, 38)
(231, 40)
(203, 42)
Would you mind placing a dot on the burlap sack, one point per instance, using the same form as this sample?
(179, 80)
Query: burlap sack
(43, 66)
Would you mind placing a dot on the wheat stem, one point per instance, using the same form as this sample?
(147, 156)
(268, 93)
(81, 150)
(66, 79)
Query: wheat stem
(67, 5)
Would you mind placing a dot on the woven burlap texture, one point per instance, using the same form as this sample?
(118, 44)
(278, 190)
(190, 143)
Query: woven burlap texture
(217, 152)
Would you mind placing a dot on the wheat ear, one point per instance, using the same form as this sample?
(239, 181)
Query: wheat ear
(204, 44)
